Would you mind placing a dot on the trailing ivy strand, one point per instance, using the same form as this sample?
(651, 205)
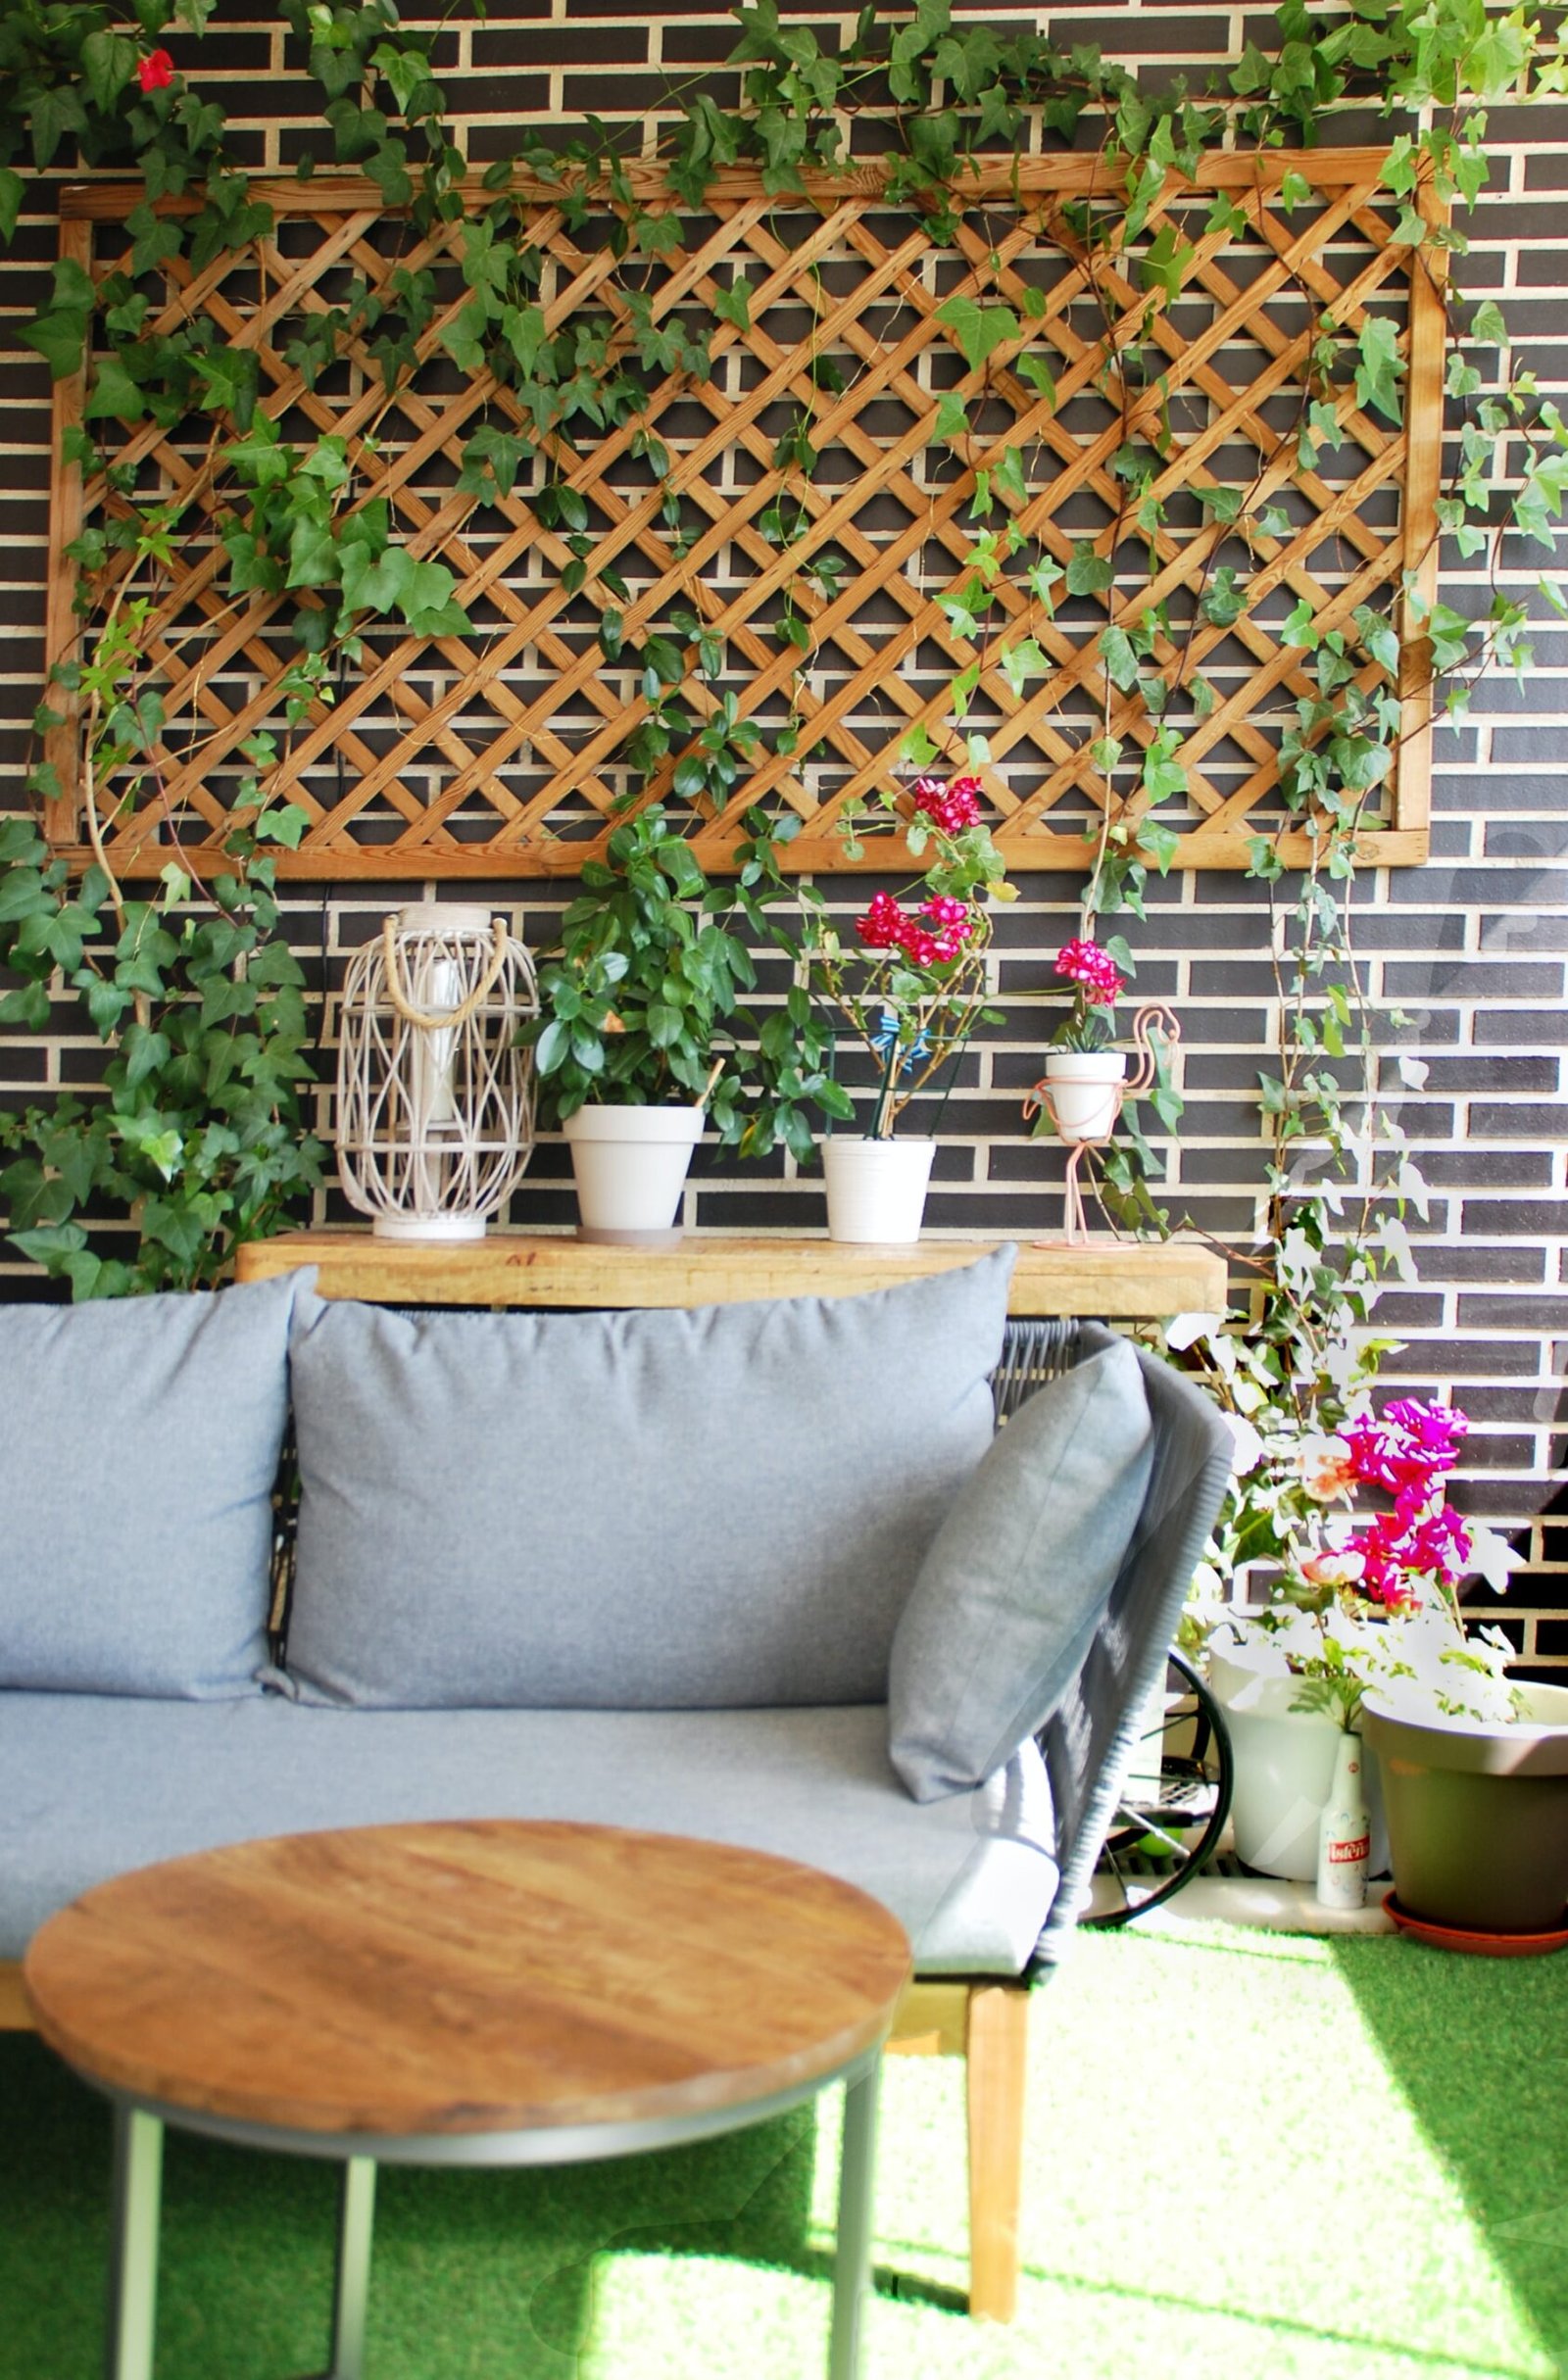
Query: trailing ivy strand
(194, 1140)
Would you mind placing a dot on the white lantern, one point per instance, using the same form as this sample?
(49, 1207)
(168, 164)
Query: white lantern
(434, 1096)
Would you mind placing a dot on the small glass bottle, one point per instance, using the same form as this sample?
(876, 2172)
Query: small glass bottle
(1345, 1836)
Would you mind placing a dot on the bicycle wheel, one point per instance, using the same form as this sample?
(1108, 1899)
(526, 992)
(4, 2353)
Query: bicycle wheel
(1174, 1804)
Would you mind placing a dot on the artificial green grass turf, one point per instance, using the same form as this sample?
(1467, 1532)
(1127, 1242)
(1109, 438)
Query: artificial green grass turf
(1249, 2155)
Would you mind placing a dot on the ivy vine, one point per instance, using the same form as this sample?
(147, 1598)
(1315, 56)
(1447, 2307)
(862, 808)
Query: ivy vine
(194, 1129)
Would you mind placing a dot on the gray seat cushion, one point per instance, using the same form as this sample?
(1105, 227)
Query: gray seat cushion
(706, 1509)
(90, 1786)
(1018, 1576)
(138, 1460)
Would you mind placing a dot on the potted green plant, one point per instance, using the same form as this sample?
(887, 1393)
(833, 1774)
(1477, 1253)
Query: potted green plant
(913, 990)
(644, 1040)
(1083, 1067)
(1366, 1632)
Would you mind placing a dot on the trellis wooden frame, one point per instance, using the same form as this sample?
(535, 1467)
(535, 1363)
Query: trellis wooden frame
(384, 731)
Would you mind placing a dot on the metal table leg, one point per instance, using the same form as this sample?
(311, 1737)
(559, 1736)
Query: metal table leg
(852, 2270)
(350, 2288)
(133, 2251)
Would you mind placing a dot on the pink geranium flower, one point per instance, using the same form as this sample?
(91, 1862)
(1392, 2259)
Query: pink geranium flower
(155, 72)
(952, 806)
(1085, 963)
(884, 924)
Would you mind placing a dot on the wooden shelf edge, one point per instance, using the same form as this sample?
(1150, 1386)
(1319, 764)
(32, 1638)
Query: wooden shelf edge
(1118, 1281)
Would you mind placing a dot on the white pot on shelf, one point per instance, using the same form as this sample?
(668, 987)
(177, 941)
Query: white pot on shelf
(876, 1188)
(1083, 1084)
(630, 1166)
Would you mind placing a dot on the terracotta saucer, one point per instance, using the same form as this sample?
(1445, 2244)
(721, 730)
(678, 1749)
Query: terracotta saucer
(1484, 1945)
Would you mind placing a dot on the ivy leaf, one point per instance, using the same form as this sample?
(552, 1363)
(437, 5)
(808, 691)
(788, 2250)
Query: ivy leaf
(1121, 662)
(1378, 635)
(1164, 262)
(1380, 366)
(52, 113)
(1224, 504)
(1486, 323)
(463, 336)
(1039, 375)
(404, 68)
(1493, 64)
(734, 305)
(952, 417)
(260, 459)
(113, 394)
(980, 329)
(1294, 191)
(1008, 474)
(1224, 600)
(1022, 661)
(313, 556)
(388, 168)
(12, 189)
(108, 65)
(1159, 843)
(1088, 572)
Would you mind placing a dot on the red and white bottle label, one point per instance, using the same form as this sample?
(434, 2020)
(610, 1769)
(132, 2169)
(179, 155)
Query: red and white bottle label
(1349, 1854)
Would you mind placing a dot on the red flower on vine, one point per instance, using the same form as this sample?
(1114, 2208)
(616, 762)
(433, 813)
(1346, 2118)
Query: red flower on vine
(155, 72)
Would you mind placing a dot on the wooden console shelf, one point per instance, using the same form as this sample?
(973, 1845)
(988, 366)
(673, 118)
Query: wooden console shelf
(1114, 1280)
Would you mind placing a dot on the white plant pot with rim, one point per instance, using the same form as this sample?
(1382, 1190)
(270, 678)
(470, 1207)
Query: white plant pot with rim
(1284, 1773)
(1083, 1084)
(876, 1188)
(630, 1166)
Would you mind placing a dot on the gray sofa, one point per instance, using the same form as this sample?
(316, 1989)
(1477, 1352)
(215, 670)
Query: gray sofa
(759, 1574)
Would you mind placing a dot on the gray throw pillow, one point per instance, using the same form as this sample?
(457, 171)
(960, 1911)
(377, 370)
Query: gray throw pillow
(701, 1509)
(140, 1446)
(1012, 1590)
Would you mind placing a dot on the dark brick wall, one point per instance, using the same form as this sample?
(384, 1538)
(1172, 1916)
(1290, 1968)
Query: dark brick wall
(1471, 947)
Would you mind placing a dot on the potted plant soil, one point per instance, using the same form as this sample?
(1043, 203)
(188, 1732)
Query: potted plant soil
(643, 1039)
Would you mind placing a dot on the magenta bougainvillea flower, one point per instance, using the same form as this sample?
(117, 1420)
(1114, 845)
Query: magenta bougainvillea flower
(1094, 970)
(155, 72)
(952, 806)
(1409, 1450)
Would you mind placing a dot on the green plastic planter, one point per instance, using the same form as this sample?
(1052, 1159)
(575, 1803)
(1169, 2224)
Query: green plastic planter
(1478, 1816)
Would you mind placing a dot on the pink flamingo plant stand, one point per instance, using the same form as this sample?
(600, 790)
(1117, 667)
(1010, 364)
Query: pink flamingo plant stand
(1152, 1016)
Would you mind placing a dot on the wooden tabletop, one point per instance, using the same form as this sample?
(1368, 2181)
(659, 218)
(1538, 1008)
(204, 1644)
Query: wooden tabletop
(486, 1976)
(1114, 1280)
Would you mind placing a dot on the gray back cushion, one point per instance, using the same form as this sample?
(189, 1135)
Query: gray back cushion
(698, 1509)
(137, 1459)
(1020, 1572)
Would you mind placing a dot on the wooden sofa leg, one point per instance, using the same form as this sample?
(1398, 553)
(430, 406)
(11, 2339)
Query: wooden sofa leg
(997, 2058)
(16, 2016)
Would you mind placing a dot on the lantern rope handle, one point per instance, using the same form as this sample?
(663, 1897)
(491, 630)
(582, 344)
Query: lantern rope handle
(465, 1007)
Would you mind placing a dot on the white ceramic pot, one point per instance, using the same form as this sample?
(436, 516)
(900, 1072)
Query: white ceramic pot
(631, 1167)
(876, 1188)
(1283, 1773)
(1083, 1086)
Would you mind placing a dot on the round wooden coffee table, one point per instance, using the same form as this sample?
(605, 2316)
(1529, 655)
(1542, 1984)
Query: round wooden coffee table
(485, 1993)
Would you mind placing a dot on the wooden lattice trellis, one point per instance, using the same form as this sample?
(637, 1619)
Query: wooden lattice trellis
(496, 754)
